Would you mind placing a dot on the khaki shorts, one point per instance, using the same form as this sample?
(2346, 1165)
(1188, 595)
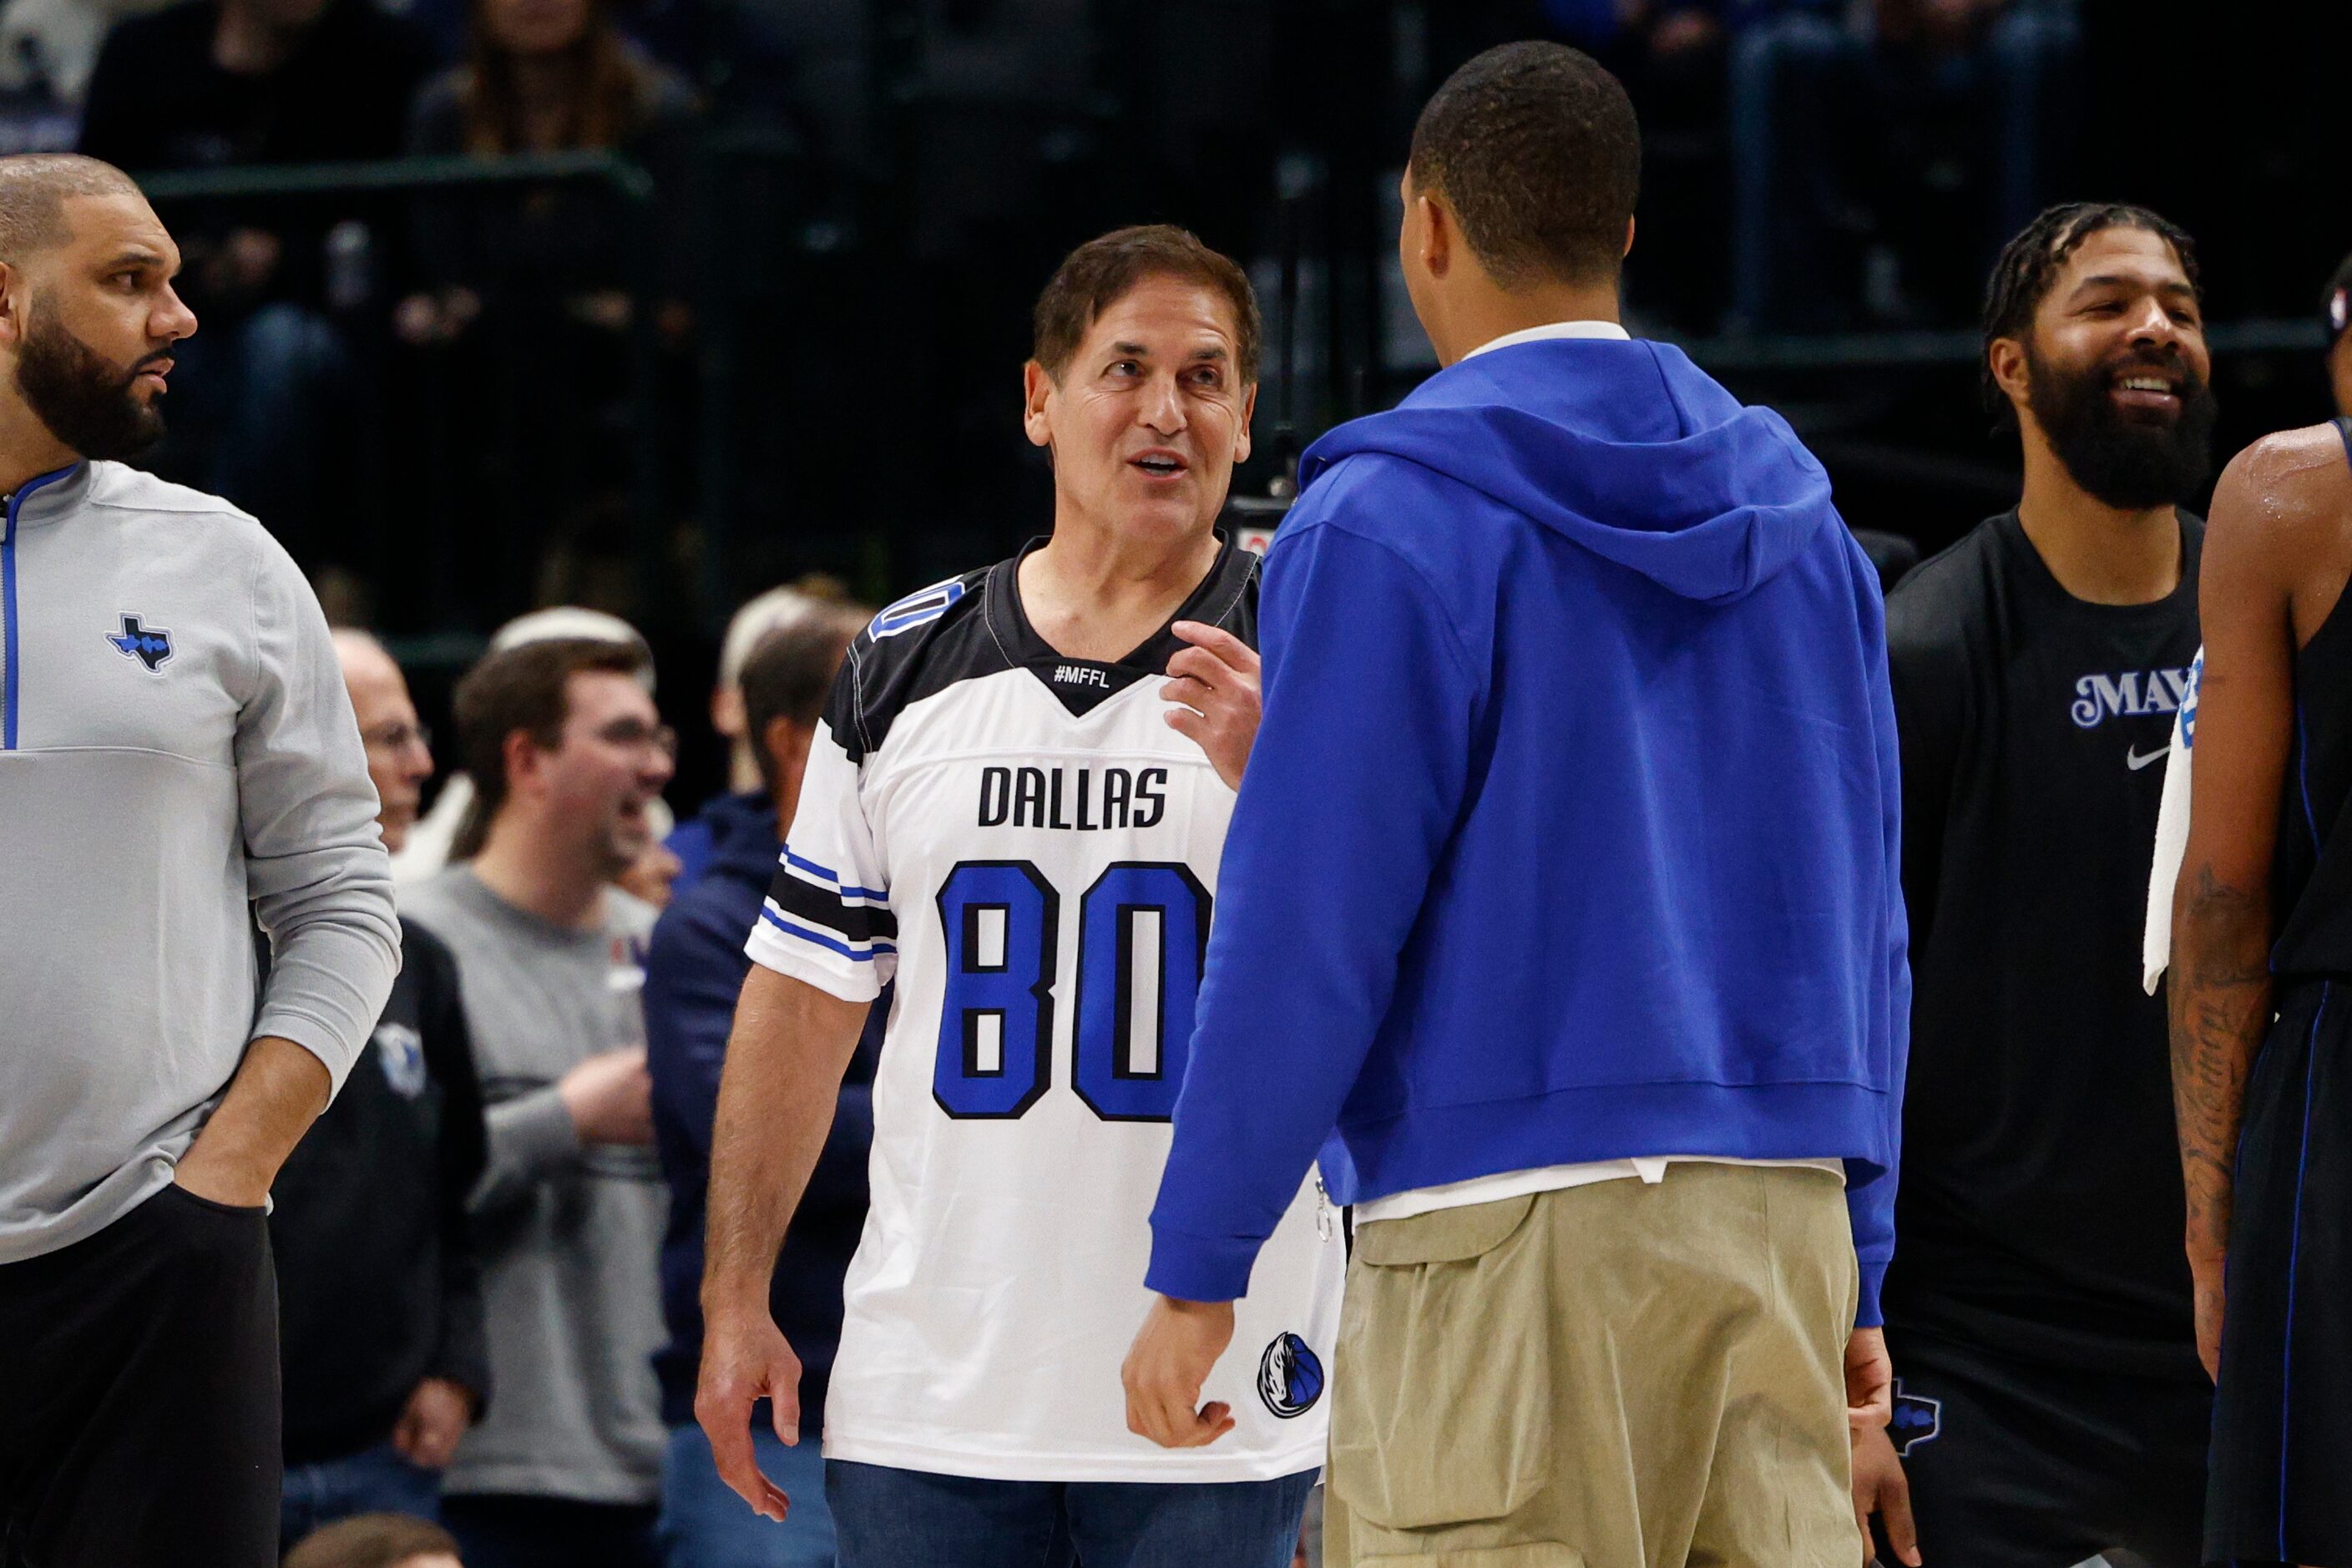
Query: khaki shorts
(1619, 1375)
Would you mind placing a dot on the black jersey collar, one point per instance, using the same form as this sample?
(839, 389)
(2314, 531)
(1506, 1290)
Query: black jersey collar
(1083, 684)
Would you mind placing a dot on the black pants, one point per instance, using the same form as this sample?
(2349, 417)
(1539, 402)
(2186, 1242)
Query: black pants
(2282, 1422)
(139, 1402)
(2017, 1464)
(504, 1532)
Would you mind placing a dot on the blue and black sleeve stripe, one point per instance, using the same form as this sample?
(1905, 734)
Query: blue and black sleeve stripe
(811, 903)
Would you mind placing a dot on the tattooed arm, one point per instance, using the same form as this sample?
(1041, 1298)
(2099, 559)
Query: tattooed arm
(2265, 536)
(2220, 1005)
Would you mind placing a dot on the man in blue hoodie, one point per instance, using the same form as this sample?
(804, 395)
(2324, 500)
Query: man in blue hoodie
(694, 971)
(1562, 899)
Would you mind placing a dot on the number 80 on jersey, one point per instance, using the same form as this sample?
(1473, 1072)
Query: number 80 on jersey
(1143, 936)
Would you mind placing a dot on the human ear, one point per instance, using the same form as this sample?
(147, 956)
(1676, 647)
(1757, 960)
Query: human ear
(13, 301)
(1436, 235)
(1037, 389)
(521, 756)
(2005, 357)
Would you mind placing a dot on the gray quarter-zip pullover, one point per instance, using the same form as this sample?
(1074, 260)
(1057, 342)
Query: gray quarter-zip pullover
(177, 756)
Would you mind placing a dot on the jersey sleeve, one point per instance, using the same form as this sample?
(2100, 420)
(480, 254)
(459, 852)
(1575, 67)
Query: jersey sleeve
(827, 917)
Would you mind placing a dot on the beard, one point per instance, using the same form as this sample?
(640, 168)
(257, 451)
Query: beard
(85, 402)
(2130, 463)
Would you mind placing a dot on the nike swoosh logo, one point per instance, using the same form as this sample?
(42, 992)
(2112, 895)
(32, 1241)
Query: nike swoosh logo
(2134, 760)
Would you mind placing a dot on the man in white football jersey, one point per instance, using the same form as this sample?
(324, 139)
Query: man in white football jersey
(1016, 807)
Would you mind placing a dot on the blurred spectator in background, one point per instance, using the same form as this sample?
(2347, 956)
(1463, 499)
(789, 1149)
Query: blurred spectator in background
(47, 50)
(566, 750)
(426, 847)
(747, 769)
(2336, 320)
(540, 292)
(209, 84)
(1671, 54)
(1881, 151)
(377, 1540)
(206, 84)
(693, 974)
(379, 1291)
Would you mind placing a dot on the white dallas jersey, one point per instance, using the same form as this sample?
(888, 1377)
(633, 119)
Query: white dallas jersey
(1024, 843)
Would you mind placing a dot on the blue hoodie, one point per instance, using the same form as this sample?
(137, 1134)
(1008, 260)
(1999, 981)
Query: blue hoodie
(1570, 829)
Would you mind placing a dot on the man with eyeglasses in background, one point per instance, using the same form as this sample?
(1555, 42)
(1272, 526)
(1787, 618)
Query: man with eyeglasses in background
(379, 1290)
(568, 753)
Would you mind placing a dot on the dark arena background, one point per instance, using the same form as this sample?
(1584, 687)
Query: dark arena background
(781, 331)
(705, 327)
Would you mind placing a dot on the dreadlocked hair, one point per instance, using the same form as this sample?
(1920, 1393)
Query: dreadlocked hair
(2029, 264)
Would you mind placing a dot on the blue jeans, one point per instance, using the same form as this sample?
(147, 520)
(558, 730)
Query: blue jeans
(375, 1480)
(705, 1525)
(912, 1519)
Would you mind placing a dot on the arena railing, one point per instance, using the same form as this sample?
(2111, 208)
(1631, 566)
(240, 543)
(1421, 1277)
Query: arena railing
(626, 183)
(1734, 353)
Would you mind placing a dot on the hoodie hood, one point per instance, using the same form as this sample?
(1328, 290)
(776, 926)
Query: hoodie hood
(743, 842)
(1705, 497)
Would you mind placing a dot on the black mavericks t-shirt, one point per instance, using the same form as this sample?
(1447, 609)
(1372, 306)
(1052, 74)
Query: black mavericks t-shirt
(2040, 1211)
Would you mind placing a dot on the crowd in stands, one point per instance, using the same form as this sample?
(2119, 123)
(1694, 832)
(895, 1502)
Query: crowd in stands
(490, 1247)
(1858, 140)
(1813, 162)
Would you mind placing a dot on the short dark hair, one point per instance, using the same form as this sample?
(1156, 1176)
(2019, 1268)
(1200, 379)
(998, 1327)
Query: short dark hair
(34, 190)
(1537, 150)
(2029, 267)
(522, 688)
(1101, 272)
(789, 674)
(371, 1540)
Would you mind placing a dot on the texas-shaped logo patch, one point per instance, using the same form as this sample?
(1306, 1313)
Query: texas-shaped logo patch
(150, 646)
(1916, 1420)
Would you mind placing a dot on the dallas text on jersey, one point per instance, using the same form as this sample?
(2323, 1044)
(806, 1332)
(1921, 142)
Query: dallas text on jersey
(1037, 797)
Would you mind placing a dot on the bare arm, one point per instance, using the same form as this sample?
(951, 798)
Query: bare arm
(279, 1089)
(785, 1063)
(2220, 987)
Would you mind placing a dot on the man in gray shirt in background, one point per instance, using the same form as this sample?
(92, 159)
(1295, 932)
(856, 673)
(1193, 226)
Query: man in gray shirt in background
(567, 751)
(177, 758)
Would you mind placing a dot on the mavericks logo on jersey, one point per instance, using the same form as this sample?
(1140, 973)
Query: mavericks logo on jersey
(400, 1051)
(1289, 1376)
(2189, 703)
(2131, 695)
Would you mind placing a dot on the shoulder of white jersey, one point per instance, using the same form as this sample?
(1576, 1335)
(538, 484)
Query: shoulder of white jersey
(915, 648)
(969, 627)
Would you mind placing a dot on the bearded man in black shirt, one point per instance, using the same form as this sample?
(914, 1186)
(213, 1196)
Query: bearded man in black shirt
(2050, 1405)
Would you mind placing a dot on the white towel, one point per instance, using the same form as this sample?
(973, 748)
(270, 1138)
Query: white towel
(2171, 836)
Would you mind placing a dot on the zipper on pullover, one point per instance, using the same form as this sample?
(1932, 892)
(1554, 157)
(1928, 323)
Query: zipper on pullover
(9, 661)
